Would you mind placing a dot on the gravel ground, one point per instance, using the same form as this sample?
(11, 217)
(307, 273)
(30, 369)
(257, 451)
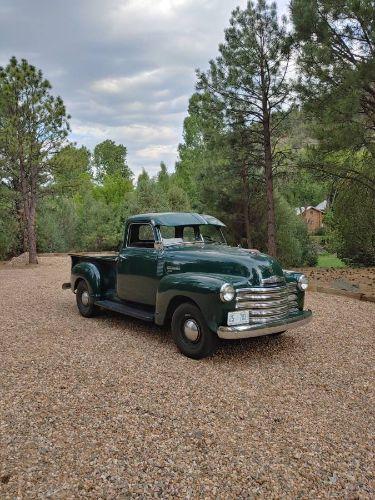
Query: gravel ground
(107, 407)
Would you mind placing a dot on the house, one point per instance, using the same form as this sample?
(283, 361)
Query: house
(313, 216)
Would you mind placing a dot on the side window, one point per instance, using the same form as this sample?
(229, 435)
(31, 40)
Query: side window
(168, 232)
(141, 236)
(146, 233)
(189, 234)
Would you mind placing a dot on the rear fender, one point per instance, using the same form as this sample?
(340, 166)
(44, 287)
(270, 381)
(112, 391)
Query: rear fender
(89, 272)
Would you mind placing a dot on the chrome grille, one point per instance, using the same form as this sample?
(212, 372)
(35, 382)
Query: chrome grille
(268, 303)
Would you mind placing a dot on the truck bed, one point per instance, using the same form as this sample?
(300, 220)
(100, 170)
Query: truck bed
(86, 257)
(106, 265)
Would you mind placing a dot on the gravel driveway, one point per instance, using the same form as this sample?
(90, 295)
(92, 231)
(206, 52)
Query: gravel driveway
(107, 407)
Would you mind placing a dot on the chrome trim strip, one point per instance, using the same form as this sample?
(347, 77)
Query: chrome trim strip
(268, 289)
(263, 305)
(261, 289)
(271, 311)
(254, 295)
(256, 330)
(269, 319)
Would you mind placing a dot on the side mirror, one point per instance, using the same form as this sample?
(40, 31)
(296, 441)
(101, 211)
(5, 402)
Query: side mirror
(158, 245)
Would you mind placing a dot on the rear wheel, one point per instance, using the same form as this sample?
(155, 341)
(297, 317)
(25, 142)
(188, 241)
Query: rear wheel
(85, 301)
(191, 333)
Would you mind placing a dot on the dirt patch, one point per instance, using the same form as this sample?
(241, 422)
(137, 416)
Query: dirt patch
(361, 279)
(107, 407)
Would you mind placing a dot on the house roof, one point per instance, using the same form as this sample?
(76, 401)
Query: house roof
(300, 210)
(321, 207)
(176, 219)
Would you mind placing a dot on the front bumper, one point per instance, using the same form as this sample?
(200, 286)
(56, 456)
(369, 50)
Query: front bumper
(257, 330)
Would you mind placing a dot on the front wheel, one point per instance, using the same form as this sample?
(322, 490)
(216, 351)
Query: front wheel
(191, 333)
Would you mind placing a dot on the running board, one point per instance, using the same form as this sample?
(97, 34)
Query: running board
(135, 312)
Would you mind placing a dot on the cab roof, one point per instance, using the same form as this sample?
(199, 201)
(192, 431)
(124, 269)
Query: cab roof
(176, 219)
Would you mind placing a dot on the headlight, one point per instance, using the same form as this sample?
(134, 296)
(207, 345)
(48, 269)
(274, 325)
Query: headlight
(303, 282)
(227, 292)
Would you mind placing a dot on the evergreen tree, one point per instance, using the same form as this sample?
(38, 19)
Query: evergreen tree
(33, 127)
(110, 158)
(336, 47)
(70, 169)
(250, 79)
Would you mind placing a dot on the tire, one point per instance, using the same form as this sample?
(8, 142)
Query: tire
(187, 319)
(87, 310)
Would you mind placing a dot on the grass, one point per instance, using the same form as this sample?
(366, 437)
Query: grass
(329, 260)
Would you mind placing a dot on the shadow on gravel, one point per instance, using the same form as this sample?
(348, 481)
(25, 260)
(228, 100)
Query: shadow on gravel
(265, 347)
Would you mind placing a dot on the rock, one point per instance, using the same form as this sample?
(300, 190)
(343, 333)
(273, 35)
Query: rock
(343, 284)
(333, 478)
(19, 260)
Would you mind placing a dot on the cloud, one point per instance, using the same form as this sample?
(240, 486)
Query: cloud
(156, 151)
(127, 83)
(124, 68)
(133, 133)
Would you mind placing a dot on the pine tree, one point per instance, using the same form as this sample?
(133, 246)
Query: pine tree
(336, 57)
(250, 79)
(33, 127)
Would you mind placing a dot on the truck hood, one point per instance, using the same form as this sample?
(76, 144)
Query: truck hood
(222, 259)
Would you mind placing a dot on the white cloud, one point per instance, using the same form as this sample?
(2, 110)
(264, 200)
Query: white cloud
(156, 151)
(124, 68)
(127, 83)
(134, 133)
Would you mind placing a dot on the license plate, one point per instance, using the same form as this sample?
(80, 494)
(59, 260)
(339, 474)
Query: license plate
(238, 318)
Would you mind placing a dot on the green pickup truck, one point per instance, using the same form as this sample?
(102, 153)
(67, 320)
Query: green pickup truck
(176, 268)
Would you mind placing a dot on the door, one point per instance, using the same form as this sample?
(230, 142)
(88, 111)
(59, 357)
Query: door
(137, 269)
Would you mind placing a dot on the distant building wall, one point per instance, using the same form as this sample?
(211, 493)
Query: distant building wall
(313, 219)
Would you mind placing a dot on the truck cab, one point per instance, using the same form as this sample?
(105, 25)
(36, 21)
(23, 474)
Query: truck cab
(177, 268)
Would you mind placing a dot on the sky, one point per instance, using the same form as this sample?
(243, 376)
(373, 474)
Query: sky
(124, 68)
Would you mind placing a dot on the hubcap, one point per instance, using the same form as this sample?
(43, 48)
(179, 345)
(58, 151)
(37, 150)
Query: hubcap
(85, 298)
(191, 330)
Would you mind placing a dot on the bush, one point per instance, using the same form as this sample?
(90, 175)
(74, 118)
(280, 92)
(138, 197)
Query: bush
(9, 227)
(293, 243)
(351, 225)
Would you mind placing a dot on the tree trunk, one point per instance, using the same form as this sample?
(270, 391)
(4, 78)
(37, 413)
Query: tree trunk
(28, 193)
(31, 234)
(22, 224)
(268, 174)
(246, 203)
(25, 238)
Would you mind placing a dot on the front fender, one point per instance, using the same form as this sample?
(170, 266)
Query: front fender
(90, 273)
(292, 277)
(201, 288)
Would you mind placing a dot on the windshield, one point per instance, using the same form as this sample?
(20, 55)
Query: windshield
(212, 234)
(180, 235)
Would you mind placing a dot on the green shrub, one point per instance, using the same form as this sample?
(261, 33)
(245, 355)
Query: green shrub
(9, 227)
(293, 243)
